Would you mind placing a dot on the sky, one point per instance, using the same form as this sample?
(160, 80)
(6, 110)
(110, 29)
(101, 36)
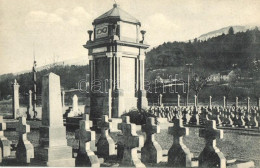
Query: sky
(55, 30)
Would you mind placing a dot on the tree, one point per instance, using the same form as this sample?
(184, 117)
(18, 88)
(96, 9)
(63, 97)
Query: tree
(231, 31)
(198, 82)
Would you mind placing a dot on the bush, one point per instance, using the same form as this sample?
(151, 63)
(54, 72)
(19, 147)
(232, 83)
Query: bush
(139, 117)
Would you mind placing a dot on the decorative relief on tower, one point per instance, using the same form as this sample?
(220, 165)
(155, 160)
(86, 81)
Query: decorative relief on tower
(101, 30)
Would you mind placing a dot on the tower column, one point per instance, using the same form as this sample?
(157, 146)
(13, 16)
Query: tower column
(15, 99)
(142, 102)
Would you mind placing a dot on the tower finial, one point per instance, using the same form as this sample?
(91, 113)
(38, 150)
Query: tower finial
(115, 4)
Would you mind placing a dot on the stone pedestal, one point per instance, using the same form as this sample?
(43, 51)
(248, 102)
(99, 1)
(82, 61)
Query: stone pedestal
(152, 151)
(25, 150)
(53, 149)
(4, 142)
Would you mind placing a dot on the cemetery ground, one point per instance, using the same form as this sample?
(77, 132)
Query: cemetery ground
(238, 144)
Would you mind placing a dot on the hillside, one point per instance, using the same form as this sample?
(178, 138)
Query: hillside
(70, 75)
(221, 53)
(224, 30)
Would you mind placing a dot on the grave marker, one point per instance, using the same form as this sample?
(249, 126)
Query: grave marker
(53, 149)
(4, 142)
(25, 150)
(152, 151)
(30, 106)
(86, 157)
(105, 145)
(131, 142)
(211, 156)
(179, 155)
(16, 106)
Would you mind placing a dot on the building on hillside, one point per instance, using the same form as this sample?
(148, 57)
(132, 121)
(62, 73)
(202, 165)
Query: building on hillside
(223, 76)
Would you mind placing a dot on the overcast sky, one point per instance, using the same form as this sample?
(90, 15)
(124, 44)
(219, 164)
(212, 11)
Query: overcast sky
(58, 28)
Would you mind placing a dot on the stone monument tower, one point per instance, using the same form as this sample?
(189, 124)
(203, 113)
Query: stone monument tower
(116, 59)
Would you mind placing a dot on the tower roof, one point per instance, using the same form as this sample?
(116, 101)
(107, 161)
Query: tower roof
(116, 14)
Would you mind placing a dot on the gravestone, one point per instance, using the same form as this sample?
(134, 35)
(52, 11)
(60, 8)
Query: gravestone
(194, 120)
(86, 157)
(75, 106)
(53, 149)
(30, 106)
(179, 155)
(211, 156)
(131, 142)
(240, 119)
(16, 106)
(4, 142)
(152, 151)
(105, 145)
(25, 150)
(229, 121)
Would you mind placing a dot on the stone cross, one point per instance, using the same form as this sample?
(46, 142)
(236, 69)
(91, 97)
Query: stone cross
(178, 100)
(194, 120)
(25, 150)
(6, 150)
(152, 151)
(211, 156)
(86, 157)
(53, 148)
(131, 143)
(210, 102)
(105, 145)
(179, 155)
(75, 107)
(15, 99)
(30, 106)
(224, 101)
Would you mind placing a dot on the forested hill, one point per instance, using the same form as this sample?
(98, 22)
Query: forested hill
(70, 75)
(214, 55)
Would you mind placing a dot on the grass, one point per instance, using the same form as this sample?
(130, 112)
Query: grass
(234, 145)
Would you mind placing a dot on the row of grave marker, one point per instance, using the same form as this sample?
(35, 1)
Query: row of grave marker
(74, 111)
(151, 152)
(227, 117)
